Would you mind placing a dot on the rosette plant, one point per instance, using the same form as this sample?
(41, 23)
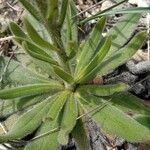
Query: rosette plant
(59, 96)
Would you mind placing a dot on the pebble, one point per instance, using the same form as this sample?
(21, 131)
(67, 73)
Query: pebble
(140, 3)
(106, 4)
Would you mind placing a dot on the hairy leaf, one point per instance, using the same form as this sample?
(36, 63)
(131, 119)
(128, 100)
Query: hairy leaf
(100, 55)
(58, 105)
(90, 45)
(48, 141)
(32, 10)
(143, 119)
(63, 75)
(38, 53)
(63, 11)
(46, 136)
(80, 132)
(42, 6)
(28, 122)
(123, 54)
(129, 103)
(68, 120)
(33, 34)
(122, 31)
(52, 11)
(103, 90)
(18, 74)
(29, 90)
(120, 56)
(114, 121)
(72, 30)
(17, 31)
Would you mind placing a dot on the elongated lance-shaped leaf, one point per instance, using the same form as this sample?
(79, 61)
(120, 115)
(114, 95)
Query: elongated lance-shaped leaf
(32, 10)
(68, 120)
(80, 132)
(126, 11)
(63, 75)
(103, 90)
(114, 121)
(36, 37)
(28, 122)
(48, 141)
(123, 54)
(58, 105)
(20, 40)
(72, 30)
(129, 103)
(90, 45)
(120, 57)
(25, 102)
(17, 31)
(29, 90)
(52, 11)
(143, 119)
(95, 61)
(63, 11)
(18, 74)
(122, 31)
(42, 6)
(38, 53)
(46, 136)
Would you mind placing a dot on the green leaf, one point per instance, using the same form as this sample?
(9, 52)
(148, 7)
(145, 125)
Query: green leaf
(28, 101)
(38, 53)
(32, 10)
(48, 141)
(33, 34)
(28, 122)
(63, 75)
(72, 30)
(17, 31)
(100, 55)
(18, 74)
(103, 90)
(143, 119)
(114, 121)
(129, 103)
(120, 57)
(42, 6)
(123, 54)
(122, 31)
(29, 90)
(52, 11)
(133, 10)
(58, 105)
(80, 133)
(90, 45)
(68, 120)
(63, 11)
(20, 40)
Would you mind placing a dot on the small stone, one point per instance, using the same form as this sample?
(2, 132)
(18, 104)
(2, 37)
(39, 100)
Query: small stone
(106, 5)
(140, 3)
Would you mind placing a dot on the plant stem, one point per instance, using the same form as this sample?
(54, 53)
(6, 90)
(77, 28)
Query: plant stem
(55, 34)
